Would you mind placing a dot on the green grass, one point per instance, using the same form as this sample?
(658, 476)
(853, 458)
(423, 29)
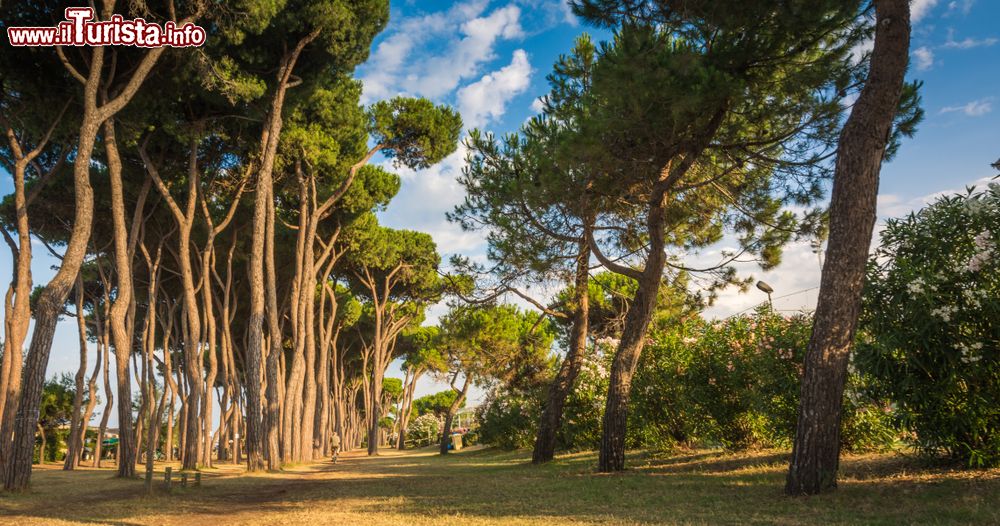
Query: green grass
(491, 487)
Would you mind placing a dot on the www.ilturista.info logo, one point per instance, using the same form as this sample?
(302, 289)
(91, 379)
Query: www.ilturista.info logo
(79, 29)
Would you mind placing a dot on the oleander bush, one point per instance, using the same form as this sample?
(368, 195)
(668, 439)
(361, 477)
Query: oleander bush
(931, 322)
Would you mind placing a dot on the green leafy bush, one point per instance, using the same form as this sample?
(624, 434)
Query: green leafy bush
(732, 383)
(508, 419)
(424, 429)
(932, 319)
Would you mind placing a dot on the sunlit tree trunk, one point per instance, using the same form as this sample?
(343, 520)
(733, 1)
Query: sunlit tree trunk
(449, 416)
(863, 140)
(562, 385)
(74, 444)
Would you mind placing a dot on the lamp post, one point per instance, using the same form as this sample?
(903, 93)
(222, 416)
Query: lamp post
(765, 288)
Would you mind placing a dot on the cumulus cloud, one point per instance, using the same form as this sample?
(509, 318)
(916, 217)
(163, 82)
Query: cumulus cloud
(403, 64)
(976, 108)
(796, 280)
(487, 98)
(923, 58)
(423, 199)
(795, 283)
(921, 8)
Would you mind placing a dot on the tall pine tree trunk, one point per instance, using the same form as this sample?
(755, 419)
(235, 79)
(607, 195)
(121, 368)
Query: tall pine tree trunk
(74, 443)
(562, 385)
(816, 452)
(49, 307)
(121, 329)
(633, 339)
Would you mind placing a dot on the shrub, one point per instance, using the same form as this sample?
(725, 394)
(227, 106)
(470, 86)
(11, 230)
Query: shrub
(508, 419)
(932, 322)
(735, 383)
(424, 429)
(732, 383)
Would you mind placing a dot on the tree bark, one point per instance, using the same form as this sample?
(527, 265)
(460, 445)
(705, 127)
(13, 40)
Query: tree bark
(406, 406)
(626, 359)
(450, 415)
(41, 448)
(562, 385)
(816, 452)
(73, 439)
(121, 322)
(53, 296)
(110, 402)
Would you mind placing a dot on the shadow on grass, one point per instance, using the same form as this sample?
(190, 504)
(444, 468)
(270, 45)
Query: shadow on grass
(493, 486)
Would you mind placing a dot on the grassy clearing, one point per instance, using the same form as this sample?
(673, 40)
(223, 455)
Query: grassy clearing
(490, 487)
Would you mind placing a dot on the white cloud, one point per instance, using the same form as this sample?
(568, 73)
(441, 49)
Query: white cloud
(968, 42)
(795, 283)
(486, 100)
(796, 280)
(425, 197)
(976, 108)
(538, 105)
(402, 64)
(965, 6)
(920, 8)
(923, 57)
(893, 205)
(568, 15)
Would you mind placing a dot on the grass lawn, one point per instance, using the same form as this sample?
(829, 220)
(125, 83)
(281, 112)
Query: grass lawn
(490, 487)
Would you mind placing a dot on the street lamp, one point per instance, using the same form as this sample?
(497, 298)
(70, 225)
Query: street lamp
(765, 288)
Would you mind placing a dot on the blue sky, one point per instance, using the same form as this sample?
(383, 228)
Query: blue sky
(489, 59)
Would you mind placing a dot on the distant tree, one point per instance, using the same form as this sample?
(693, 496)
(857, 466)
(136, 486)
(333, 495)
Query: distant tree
(489, 344)
(420, 352)
(436, 404)
(56, 411)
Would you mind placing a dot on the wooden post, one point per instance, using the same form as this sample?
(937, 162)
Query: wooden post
(184, 480)
(167, 477)
(197, 480)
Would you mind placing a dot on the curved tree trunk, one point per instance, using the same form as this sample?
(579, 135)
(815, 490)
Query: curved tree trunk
(406, 406)
(816, 452)
(53, 296)
(48, 309)
(562, 385)
(121, 326)
(17, 313)
(633, 339)
(108, 404)
(450, 415)
(74, 440)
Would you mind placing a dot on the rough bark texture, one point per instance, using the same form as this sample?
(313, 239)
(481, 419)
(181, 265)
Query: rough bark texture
(17, 313)
(633, 339)
(562, 385)
(121, 330)
(612, 454)
(816, 452)
(74, 441)
(53, 296)
(450, 415)
(47, 312)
